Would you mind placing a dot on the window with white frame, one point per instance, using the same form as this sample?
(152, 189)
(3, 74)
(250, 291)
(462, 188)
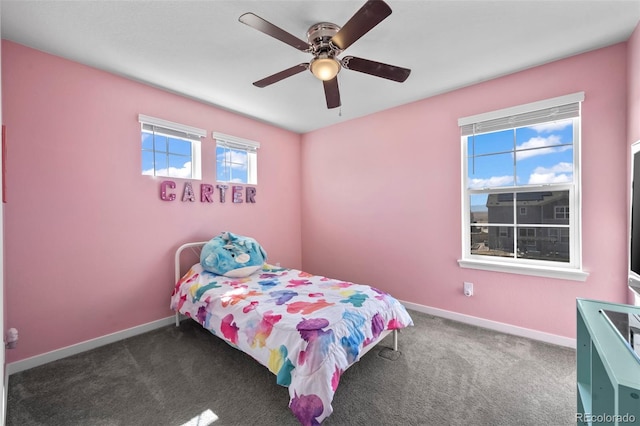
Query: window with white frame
(521, 189)
(236, 159)
(170, 149)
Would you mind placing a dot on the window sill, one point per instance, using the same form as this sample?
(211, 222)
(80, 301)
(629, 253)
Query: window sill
(560, 273)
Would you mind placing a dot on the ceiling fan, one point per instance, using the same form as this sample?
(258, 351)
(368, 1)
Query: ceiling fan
(325, 42)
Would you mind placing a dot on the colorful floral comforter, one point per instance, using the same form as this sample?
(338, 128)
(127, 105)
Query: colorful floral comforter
(306, 329)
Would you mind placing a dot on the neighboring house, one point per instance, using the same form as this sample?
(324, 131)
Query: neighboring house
(547, 213)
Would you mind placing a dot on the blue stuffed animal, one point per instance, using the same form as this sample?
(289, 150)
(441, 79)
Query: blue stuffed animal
(232, 255)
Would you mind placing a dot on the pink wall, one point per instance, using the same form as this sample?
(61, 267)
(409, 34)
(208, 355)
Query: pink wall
(633, 114)
(381, 197)
(633, 89)
(88, 242)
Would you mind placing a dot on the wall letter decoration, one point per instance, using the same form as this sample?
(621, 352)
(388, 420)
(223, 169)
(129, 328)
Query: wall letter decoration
(223, 190)
(237, 194)
(163, 190)
(206, 191)
(251, 195)
(188, 194)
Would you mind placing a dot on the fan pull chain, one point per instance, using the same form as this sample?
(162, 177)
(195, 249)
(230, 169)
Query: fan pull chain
(340, 111)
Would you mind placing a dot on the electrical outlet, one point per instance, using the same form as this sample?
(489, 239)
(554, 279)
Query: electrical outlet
(468, 289)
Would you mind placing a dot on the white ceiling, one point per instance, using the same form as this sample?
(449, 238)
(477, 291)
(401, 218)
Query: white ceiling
(199, 48)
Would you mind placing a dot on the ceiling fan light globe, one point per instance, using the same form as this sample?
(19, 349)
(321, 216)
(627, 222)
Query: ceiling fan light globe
(325, 69)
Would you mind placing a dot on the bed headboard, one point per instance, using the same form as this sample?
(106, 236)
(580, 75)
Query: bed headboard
(187, 254)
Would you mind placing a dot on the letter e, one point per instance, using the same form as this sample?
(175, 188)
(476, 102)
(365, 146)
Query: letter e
(237, 194)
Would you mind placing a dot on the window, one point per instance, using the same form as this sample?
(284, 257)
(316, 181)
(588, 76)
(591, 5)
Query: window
(521, 180)
(170, 149)
(236, 159)
(561, 212)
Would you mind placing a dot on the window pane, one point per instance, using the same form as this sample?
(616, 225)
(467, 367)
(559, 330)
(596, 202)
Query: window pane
(179, 166)
(545, 135)
(500, 208)
(545, 153)
(479, 219)
(238, 175)
(546, 207)
(490, 171)
(561, 130)
(231, 165)
(179, 146)
(220, 151)
(478, 202)
(540, 243)
(161, 163)
(489, 143)
(222, 173)
(160, 142)
(238, 157)
(493, 241)
(222, 164)
(147, 141)
(147, 163)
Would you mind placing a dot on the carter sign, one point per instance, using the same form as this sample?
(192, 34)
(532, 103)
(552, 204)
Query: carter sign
(238, 193)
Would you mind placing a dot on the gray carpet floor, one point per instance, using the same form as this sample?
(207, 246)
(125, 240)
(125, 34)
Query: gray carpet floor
(447, 373)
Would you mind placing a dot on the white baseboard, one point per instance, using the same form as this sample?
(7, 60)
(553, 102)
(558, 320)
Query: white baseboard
(494, 325)
(35, 361)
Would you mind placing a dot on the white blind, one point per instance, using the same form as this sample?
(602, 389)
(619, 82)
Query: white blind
(169, 128)
(234, 142)
(560, 108)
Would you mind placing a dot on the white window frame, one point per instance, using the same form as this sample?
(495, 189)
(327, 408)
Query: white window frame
(571, 270)
(249, 146)
(180, 131)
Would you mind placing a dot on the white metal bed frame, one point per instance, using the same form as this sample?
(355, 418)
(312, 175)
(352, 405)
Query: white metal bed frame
(196, 247)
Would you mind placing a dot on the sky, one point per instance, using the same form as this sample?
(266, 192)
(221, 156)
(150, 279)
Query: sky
(543, 154)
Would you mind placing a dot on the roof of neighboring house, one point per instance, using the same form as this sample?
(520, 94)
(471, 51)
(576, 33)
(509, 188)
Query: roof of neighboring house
(526, 198)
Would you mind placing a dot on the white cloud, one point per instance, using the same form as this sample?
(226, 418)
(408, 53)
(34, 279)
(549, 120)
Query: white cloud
(562, 167)
(491, 182)
(183, 173)
(559, 173)
(538, 146)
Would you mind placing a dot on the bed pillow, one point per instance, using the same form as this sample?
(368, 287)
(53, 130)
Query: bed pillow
(232, 255)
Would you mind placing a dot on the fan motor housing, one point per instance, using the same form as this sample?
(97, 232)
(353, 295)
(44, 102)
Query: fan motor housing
(319, 36)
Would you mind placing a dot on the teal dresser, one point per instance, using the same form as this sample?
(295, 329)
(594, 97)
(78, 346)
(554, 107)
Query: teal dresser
(608, 373)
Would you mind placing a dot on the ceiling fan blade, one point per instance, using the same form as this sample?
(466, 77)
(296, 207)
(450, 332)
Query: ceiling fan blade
(268, 28)
(378, 69)
(281, 75)
(371, 14)
(332, 93)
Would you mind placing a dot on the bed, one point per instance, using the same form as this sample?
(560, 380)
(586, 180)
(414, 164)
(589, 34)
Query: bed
(306, 329)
